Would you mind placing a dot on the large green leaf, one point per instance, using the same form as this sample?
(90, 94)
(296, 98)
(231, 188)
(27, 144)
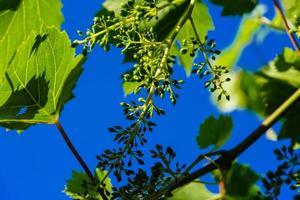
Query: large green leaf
(18, 18)
(214, 131)
(237, 7)
(239, 182)
(203, 23)
(193, 191)
(39, 80)
(81, 188)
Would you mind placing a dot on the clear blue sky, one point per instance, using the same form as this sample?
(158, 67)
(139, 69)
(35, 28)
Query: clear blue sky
(35, 164)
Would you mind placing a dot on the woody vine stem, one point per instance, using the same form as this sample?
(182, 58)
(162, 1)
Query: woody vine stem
(227, 157)
(78, 157)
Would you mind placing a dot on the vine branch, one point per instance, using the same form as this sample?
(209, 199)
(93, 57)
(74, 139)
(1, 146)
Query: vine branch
(226, 158)
(169, 42)
(286, 25)
(78, 157)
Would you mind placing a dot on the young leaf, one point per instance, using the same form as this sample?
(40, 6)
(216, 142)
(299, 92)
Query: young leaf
(39, 80)
(130, 87)
(17, 21)
(192, 191)
(237, 7)
(214, 131)
(80, 186)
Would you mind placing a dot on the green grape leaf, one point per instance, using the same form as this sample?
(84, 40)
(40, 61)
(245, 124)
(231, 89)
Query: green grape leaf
(80, 186)
(203, 23)
(39, 80)
(288, 59)
(130, 87)
(18, 18)
(214, 131)
(270, 83)
(237, 7)
(193, 191)
(239, 182)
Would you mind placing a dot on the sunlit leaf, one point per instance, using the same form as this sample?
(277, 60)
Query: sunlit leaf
(18, 18)
(215, 131)
(130, 87)
(39, 80)
(193, 191)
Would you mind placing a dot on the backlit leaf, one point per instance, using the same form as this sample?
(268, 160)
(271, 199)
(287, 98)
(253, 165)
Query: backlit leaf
(214, 131)
(39, 80)
(18, 18)
(193, 191)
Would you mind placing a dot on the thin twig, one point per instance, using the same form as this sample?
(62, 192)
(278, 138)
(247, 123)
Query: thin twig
(78, 157)
(286, 25)
(228, 157)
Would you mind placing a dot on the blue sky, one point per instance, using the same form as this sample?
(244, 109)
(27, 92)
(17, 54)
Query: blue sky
(35, 164)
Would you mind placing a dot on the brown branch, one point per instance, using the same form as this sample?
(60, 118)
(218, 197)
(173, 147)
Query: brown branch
(286, 25)
(78, 157)
(227, 157)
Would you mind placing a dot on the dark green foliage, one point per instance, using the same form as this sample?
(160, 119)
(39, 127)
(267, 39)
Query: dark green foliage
(214, 132)
(235, 7)
(141, 185)
(288, 59)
